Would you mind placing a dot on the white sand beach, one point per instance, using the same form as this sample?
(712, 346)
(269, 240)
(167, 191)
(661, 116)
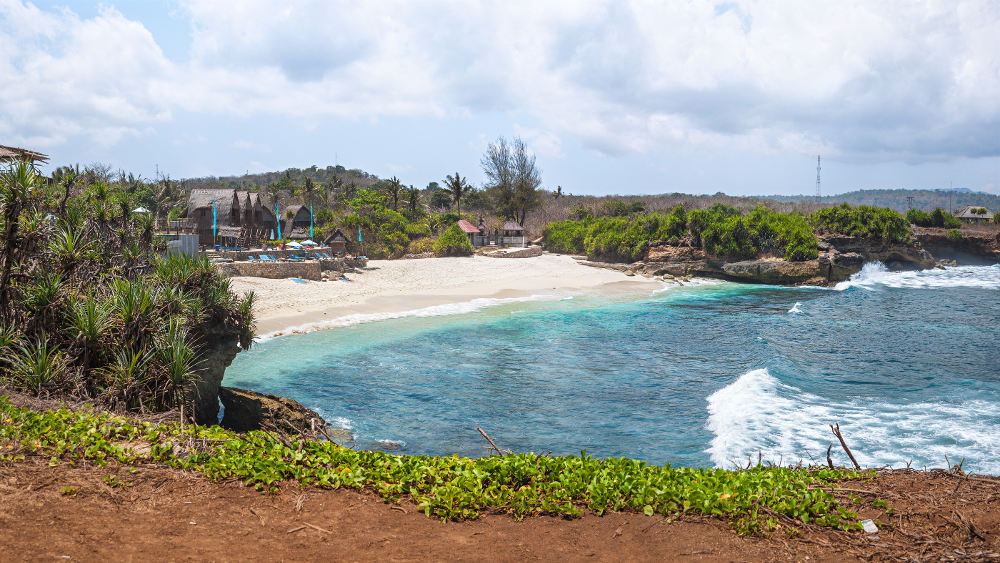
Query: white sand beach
(391, 286)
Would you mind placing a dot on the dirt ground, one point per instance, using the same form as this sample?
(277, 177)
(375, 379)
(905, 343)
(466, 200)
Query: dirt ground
(85, 514)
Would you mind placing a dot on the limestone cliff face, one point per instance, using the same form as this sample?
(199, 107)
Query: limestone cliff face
(204, 393)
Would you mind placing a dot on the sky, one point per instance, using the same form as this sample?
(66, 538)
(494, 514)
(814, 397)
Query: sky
(612, 97)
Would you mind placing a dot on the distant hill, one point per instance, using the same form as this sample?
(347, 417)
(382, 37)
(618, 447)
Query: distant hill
(295, 177)
(956, 198)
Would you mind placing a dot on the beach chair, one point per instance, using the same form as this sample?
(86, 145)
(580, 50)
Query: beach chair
(251, 258)
(264, 258)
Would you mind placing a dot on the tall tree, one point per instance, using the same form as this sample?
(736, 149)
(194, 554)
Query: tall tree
(394, 187)
(414, 196)
(458, 187)
(512, 177)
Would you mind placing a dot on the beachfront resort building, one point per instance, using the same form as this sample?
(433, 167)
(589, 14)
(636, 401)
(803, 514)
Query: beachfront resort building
(973, 214)
(296, 222)
(229, 217)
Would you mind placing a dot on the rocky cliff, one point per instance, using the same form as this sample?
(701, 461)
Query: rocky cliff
(839, 258)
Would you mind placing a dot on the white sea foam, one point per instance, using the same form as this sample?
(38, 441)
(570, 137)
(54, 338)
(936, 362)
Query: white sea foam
(759, 412)
(693, 282)
(460, 308)
(874, 275)
(796, 308)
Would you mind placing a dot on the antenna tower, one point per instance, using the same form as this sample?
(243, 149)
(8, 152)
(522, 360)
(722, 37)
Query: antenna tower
(819, 192)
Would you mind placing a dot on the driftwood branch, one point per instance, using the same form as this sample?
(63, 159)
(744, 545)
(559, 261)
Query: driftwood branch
(829, 460)
(836, 432)
(492, 443)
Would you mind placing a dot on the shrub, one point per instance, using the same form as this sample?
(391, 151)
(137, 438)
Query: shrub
(453, 242)
(420, 246)
(919, 218)
(863, 221)
(565, 236)
(954, 234)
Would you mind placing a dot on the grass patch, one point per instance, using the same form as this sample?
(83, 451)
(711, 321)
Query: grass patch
(753, 500)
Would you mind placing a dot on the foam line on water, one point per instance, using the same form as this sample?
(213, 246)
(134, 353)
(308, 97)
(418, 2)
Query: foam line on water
(874, 275)
(461, 308)
(757, 411)
(797, 308)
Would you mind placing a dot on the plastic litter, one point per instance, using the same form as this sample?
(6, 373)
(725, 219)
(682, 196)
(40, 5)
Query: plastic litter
(869, 526)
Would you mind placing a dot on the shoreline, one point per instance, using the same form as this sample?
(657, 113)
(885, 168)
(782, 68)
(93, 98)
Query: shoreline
(393, 288)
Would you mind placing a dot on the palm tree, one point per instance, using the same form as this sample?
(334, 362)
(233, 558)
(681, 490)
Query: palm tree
(414, 194)
(394, 187)
(458, 187)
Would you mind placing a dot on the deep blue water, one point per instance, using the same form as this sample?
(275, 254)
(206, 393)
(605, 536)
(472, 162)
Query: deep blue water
(907, 363)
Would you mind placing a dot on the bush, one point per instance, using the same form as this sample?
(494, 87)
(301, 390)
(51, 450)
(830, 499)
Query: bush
(453, 242)
(864, 221)
(420, 246)
(954, 234)
(919, 218)
(565, 236)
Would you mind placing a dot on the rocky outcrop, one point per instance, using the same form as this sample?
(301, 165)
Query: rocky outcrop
(528, 252)
(248, 410)
(839, 258)
(973, 248)
(204, 392)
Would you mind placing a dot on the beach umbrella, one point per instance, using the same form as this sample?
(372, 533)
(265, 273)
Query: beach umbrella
(294, 244)
(309, 242)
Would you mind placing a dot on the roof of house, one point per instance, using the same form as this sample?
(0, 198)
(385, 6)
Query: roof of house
(298, 233)
(202, 197)
(335, 235)
(16, 153)
(227, 231)
(511, 226)
(296, 209)
(467, 227)
(966, 213)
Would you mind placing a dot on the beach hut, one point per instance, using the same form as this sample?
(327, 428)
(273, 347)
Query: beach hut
(471, 232)
(512, 234)
(337, 242)
(974, 214)
(295, 223)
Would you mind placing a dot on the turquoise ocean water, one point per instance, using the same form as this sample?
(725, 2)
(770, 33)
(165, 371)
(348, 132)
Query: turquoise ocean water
(701, 375)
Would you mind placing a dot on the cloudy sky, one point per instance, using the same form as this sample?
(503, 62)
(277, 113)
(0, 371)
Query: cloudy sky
(613, 97)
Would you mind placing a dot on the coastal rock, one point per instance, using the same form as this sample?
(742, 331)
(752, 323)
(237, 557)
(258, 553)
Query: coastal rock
(204, 392)
(775, 271)
(249, 410)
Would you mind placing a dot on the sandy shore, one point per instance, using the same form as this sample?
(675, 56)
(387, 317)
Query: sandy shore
(391, 286)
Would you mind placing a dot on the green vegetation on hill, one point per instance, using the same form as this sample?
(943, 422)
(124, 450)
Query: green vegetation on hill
(90, 308)
(721, 230)
(863, 221)
(937, 218)
(752, 500)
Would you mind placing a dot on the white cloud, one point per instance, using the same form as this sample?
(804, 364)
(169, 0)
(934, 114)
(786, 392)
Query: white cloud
(861, 79)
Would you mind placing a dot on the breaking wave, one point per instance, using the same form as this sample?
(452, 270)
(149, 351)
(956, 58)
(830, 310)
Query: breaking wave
(874, 275)
(757, 412)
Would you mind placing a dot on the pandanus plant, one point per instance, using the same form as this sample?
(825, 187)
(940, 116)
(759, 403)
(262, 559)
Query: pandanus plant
(37, 365)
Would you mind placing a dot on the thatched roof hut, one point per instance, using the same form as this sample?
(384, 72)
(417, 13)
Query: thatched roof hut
(10, 154)
(201, 200)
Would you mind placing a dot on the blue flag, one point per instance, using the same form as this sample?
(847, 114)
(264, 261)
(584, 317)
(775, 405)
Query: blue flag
(214, 221)
(277, 220)
(310, 222)
(359, 234)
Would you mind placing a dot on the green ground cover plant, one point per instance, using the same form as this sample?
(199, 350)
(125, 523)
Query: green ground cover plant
(937, 218)
(753, 500)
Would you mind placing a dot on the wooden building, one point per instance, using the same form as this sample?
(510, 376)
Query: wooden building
(337, 242)
(295, 222)
(241, 218)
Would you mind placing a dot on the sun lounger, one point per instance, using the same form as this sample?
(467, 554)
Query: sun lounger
(251, 258)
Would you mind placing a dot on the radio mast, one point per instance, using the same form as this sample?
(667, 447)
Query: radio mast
(819, 192)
